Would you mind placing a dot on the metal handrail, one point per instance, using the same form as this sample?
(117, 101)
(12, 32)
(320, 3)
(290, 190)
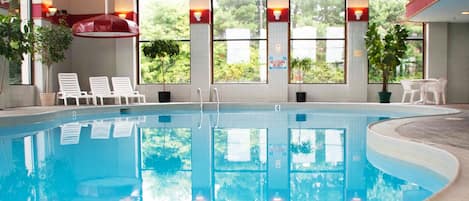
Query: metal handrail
(201, 99)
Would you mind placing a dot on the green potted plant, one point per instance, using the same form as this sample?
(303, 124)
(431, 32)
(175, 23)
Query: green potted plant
(15, 41)
(51, 42)
(299, 67)
(386, 53)
(165, 51)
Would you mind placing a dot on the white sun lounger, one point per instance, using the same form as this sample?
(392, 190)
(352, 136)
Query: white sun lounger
(124, 89)
(70, 88)
(100, 90)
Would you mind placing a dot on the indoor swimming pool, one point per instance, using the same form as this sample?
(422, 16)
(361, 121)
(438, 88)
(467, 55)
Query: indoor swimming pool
(234, 154)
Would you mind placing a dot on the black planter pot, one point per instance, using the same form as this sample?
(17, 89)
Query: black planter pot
(164, 96)
(301, 96)
(384, 97)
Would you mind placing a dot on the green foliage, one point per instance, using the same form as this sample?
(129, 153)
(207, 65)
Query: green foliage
(165, 20)
(15, 41)
(51, 42)
(165, 51)
(242, 72)
(387, 13)
(385, 53)
(304, 65)
(15, 38)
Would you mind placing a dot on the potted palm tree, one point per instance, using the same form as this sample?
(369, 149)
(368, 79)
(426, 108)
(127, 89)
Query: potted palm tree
(15, 41)
(299, 67)
(51, 42)
(165, 51)
(386, 53)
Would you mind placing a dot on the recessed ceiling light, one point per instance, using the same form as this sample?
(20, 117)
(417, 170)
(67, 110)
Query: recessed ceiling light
(465, 12)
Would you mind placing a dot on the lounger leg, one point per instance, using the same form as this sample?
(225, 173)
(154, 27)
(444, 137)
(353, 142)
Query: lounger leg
(65, 101)
(403, 98)
(126, 100)
(436, 96)
(78, 101)
(144, 100)
(443, 96)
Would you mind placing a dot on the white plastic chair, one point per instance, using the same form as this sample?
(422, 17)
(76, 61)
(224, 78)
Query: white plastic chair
(411, 88)
(70, 133)
(438, 89)
(70, 88)
(100, 89)
(123, 88)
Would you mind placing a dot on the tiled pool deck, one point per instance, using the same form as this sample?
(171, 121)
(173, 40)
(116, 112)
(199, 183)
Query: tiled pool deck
(448, 132)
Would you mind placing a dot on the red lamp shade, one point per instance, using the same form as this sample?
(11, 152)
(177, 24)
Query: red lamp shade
(105, 26)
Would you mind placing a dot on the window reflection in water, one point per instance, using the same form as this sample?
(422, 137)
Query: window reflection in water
(166, 163)
(240, 164)
(317, 164)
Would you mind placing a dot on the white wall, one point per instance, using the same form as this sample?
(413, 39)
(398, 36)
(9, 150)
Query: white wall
(458, 62)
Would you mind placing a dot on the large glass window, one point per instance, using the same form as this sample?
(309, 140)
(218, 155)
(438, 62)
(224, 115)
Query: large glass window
(317, 39)
(239, 41)
(19, 73)
(387, 13)
(166, 20)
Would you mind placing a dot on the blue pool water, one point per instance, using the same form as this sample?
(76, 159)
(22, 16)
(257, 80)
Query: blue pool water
(188, 155)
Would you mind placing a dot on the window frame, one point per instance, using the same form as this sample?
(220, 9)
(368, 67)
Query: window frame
(212, 40)
(345, 39)
(137, 50)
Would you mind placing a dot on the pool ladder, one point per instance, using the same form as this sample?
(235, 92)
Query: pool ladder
(199, 91)
(277, 108)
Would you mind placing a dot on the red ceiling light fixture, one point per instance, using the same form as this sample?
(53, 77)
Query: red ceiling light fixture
(105, 26)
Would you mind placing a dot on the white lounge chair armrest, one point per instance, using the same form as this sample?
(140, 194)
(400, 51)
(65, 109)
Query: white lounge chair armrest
(136, 93)
(83, 93)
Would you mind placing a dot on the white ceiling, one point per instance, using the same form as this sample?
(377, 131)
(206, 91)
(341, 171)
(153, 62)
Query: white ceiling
(444, 11)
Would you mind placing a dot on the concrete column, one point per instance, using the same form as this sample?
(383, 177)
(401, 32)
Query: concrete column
(436, 47)
(201, 73)
(357, 62)
(278, 50)
(126, 59)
